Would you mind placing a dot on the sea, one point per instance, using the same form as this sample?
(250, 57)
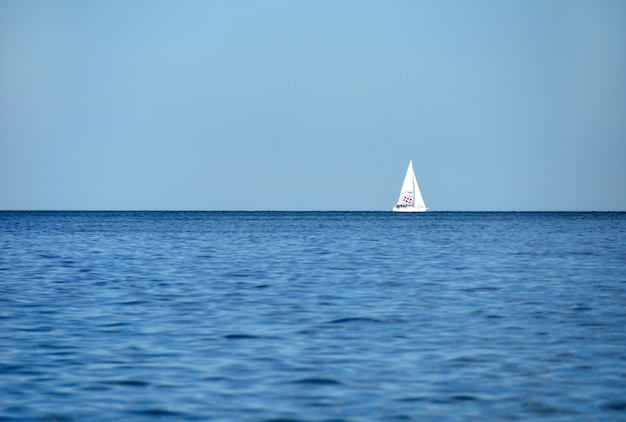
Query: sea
(312, 316)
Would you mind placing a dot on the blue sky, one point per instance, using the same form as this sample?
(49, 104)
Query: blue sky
(312, 105)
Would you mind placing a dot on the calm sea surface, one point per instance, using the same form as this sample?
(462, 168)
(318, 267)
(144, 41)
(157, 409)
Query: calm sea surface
(319, 316)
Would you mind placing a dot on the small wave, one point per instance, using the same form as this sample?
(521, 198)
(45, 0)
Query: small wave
(159, 412)
(114, 324)
(463, 397)
(244, 274)
(545, 409)
(215, 379)
(132, 302)
(412, 399)
(127, 383)
(480, 289)
(354, 319)
(39, 329)
(617, 405)
(240, 336)
(58, 417)
(318, 381)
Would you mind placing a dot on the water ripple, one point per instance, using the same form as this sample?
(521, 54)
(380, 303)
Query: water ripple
(312, 316)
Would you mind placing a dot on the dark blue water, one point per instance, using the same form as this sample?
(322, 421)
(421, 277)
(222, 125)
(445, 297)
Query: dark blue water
(312, 316)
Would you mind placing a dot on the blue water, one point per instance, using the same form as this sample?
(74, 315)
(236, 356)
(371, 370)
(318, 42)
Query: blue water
(320, 316)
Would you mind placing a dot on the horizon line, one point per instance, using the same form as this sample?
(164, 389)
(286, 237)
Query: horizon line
(287, 210)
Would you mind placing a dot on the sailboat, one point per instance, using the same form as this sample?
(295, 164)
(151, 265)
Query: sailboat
(410, 199)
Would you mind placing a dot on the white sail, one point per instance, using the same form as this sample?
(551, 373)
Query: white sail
(418, 200)
(410, 199)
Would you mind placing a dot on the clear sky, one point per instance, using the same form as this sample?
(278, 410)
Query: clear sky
(312, 105)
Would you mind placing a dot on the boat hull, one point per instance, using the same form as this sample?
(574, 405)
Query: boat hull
(397, 208)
